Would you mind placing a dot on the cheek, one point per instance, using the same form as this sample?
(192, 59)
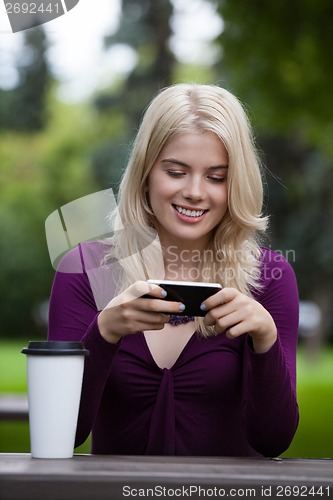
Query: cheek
(155, 193)
(159, 187)
(220, 198)
(226, 198)
(153, 182)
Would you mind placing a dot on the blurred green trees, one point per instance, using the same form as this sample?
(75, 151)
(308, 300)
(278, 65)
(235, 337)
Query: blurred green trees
(275, 57)
(145, 27)
(39, 172)
(24, 107)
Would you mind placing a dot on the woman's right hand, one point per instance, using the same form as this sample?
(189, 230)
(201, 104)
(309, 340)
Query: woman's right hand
(129, 312)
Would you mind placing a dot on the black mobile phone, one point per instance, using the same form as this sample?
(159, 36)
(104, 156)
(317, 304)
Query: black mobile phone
(190, 293)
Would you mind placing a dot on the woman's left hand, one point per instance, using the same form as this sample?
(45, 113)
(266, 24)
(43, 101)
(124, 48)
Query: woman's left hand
(235, 313)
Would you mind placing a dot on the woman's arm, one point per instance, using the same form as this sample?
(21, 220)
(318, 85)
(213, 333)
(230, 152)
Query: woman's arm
(270, 407)
(73, 316)
(269, 325)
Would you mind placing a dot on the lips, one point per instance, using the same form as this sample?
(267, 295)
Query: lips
(187, 212)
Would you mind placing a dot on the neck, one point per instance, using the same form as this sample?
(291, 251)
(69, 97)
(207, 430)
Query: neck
(182, 264)
(182, 259)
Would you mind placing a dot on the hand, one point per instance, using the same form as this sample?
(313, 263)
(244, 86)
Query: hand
(235, 313)
(129, 312)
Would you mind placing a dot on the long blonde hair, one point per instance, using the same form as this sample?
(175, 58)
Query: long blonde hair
(185, 108)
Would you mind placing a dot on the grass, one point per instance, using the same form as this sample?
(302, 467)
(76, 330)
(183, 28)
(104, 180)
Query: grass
(12, 366)
(314, 437)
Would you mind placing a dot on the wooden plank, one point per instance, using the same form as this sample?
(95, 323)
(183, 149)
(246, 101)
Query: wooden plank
(113, 477)
(14, 407)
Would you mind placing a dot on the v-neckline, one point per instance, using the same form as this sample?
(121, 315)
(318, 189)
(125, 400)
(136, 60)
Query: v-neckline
(182, 352)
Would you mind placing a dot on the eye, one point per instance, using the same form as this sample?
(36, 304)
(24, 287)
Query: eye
(215, 178)
(176, 173)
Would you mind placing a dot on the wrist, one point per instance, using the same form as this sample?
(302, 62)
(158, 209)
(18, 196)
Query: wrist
(105, 331)
(263, 343)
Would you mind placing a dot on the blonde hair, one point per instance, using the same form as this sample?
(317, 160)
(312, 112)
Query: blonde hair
(175, 110)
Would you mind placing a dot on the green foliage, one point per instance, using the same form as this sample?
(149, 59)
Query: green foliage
(277, 56)
(23, 269)
(39, 173)
(23, 107)
(277, 59)
(193, 73)
(314, 437)
(13, 366)
(145, 26)
(300, 201)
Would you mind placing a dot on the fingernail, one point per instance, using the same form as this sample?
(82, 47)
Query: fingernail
(164, 293)
(203, 307)
(181, 307)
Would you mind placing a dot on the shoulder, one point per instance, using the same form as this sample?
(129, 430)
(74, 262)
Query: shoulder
(84, 257)
(275, 260)
(276, 269)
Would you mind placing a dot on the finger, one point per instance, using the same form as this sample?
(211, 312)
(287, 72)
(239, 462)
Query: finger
(223, 308)
(234, 332)
(223, 296)
(138, 289)
(160, 305)
(225, 322)
(219, 312)
(237, 330)
(141, 288)
(151, 320)
(132, 320)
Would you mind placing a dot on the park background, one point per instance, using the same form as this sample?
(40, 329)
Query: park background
(65, 133)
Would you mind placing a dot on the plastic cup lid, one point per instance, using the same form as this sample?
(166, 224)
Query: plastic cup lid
(55, 348)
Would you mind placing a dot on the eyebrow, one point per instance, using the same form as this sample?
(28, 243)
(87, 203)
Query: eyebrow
(183, 164)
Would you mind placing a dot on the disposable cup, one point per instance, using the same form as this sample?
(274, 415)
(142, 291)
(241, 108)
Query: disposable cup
(54, 376)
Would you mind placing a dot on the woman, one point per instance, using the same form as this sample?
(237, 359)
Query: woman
(189, 209)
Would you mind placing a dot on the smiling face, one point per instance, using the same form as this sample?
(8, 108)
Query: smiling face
(187, 189)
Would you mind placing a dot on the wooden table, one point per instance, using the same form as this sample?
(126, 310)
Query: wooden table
(97, 477)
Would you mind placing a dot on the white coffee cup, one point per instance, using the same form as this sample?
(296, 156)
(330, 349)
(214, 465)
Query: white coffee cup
(54, 374)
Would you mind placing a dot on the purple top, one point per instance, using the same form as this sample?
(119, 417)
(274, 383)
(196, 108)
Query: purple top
(219, 398)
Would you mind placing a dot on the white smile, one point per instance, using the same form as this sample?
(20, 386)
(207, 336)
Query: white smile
(189, 213)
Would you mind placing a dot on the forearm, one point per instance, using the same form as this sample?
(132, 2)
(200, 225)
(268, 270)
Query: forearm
(96, 371)
(270, 404)
(73, 316)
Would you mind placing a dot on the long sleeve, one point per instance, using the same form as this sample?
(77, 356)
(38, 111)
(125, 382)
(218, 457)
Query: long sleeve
(270, 407)
(73, 316)
(122, 384)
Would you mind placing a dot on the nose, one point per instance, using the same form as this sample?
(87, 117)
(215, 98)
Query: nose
(194, 188)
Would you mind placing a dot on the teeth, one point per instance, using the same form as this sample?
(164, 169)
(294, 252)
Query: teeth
(190, 213)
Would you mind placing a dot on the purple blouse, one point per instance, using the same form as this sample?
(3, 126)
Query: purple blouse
(219, 398)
